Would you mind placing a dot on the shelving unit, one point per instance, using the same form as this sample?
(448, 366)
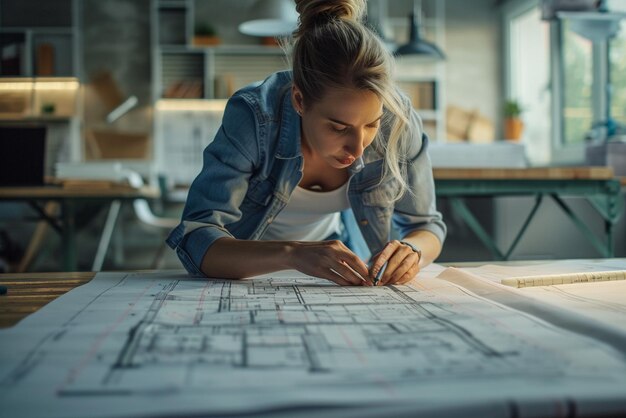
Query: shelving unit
(39, 43)
(39, 72)
(184, 71)
(427, 97)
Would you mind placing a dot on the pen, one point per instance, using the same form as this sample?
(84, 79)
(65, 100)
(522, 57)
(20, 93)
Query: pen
(379, 275)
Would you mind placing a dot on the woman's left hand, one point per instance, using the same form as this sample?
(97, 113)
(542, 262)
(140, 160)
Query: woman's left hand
(402, 264)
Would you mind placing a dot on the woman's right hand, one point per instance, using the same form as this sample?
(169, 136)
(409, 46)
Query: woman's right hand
(330, 260)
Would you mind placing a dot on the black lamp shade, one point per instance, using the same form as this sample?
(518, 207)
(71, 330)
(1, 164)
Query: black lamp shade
(418, 46)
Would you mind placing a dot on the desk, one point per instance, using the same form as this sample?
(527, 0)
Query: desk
(597, 184)
(29, 292)
(65, 222)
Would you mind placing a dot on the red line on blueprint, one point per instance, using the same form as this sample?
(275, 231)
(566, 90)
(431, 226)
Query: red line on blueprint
(201, 301)
(75, 371)
(357, 352)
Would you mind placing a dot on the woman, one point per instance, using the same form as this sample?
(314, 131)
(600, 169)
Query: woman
(300, 147)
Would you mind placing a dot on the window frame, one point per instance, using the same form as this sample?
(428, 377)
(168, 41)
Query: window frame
(561, 153)
(510, 11)
(620, 121)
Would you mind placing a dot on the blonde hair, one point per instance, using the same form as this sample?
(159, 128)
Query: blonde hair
(332, 48)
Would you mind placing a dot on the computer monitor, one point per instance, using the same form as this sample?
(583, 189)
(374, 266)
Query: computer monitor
(22, 155)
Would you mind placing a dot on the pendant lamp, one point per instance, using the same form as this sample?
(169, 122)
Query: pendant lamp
(270, 18)
(417, 45)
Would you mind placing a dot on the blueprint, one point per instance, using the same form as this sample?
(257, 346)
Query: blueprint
(163, 344)
(600, 299)
(605, 301)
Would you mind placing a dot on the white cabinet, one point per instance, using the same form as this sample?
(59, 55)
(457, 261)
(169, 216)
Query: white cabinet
(424, 86)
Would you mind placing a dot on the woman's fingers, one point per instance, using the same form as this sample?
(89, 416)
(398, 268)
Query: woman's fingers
(399, 261)
(351, 275)
(401, 268)
(337, 263)
(346, 280)
(357, 267)
(333, 261)
(381, 258)
(337, 278)
(346, 264)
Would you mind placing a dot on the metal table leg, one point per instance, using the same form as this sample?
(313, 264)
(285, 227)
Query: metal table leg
(459, 206)
(107, 232)
(68, 236)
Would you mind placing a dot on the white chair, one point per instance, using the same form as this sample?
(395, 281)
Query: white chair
(144, 214)
(142, 208)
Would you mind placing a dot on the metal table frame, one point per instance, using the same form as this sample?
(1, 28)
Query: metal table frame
(603, 195)
(65, 222)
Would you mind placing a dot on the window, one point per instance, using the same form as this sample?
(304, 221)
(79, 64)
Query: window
(559, 78)
(577, 86)
(617, 62)
(528, 75)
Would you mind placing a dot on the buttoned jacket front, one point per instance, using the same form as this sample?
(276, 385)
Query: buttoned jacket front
(254, 163)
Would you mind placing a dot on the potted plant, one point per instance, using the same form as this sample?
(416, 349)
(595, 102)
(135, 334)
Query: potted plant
(513, 125)
(205, 35)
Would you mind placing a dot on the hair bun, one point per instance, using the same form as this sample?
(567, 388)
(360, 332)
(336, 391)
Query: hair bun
(317, 12)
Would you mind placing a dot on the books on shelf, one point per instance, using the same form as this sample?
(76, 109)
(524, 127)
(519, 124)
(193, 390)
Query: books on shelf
(423, 94)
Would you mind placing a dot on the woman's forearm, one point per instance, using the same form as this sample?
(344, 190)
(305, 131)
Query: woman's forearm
(230, 258)
(428, 243)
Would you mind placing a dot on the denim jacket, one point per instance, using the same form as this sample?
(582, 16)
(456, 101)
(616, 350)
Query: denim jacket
(255, 162)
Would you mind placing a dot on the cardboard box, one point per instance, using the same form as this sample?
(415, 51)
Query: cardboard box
(108, 144)
(608, 153)
(468, 125)
(616, 156)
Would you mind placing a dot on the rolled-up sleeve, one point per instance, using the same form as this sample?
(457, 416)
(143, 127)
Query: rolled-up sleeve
(417, 209)
(217, 192)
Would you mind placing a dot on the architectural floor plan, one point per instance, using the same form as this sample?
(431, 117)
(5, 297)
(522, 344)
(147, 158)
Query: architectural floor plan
(161, 343)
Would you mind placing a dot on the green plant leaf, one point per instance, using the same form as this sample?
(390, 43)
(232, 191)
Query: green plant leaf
(205, 29)
(512, 109)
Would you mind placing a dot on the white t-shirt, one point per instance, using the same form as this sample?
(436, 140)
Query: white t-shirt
(309, 215)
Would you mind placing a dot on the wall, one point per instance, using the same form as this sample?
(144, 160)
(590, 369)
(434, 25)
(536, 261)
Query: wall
(474, 54)
(472, 47)
(116, 38)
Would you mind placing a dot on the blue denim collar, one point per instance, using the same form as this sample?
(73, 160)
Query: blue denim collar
(289, 135)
